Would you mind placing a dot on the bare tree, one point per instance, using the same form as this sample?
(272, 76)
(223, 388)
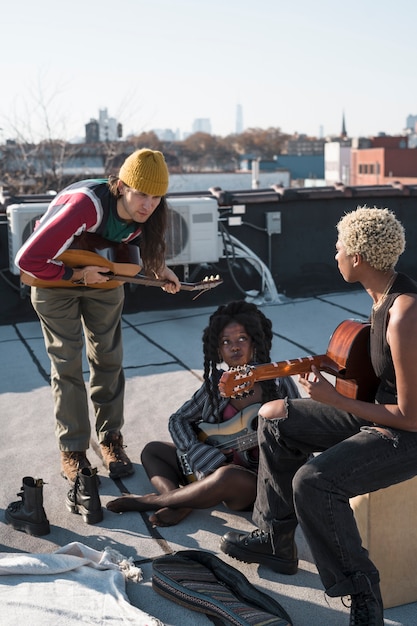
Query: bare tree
(33, 160)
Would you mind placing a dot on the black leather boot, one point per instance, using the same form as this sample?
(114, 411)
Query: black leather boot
(366, 605)
(256, 547)
(28, 514)
(83, 497)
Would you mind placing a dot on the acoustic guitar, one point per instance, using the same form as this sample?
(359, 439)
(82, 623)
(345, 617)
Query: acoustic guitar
(120, 261)
(347, 358)
(237, 435)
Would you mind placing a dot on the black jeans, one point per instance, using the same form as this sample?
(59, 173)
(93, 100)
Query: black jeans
(355, 457)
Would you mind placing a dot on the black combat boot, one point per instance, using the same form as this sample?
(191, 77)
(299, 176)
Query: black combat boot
(28, 513)
(366, 606)
(83, 497)
(257, 547)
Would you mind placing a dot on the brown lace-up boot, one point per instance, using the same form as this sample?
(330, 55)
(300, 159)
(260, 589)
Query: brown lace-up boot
(114, 456)
(71, 463)
(28, 514)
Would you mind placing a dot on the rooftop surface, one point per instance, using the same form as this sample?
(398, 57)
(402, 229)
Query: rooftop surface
(163, 365)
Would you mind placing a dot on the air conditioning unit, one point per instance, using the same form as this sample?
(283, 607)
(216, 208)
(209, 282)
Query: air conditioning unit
(192, 234)
(21, 219)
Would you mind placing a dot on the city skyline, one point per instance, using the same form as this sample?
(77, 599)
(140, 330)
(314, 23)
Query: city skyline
(161, 65)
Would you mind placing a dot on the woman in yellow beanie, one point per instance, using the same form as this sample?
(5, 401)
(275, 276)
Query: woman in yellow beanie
(128, 208)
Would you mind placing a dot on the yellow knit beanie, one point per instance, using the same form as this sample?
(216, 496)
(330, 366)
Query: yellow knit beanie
(146, 171)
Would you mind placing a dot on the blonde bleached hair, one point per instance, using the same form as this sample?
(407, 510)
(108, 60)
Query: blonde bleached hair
(375, 234)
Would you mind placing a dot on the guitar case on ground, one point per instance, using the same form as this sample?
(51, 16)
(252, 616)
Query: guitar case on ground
(200, 581)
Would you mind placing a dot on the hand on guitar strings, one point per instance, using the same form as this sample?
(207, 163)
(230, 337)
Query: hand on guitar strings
(90, 274)
(172, 284)
(318, 387)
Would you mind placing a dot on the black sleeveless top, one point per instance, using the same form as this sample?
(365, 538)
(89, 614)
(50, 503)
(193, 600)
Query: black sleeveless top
(379, 349)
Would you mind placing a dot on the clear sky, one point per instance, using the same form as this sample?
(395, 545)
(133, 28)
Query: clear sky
(296, 65)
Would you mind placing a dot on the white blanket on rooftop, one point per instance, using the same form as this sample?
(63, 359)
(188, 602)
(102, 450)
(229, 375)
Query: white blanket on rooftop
(73, 585)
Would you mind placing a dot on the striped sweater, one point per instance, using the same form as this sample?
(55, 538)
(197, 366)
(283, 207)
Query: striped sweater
(85, 206)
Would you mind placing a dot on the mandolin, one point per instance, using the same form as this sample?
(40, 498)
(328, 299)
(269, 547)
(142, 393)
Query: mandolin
(347, 358)
(120, 261)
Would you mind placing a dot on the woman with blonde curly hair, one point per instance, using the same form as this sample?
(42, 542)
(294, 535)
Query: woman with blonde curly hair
(364, 446)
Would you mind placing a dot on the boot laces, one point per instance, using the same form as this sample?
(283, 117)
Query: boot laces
(16, 506)
(260, 535)
(77, 457)
(39, 482)
(362, 610)
(115, 446)
(365, 608)
(117, 450)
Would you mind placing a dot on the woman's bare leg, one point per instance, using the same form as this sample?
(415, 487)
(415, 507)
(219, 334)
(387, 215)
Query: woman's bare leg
(161, 465)
(233, 485)
(160, 462)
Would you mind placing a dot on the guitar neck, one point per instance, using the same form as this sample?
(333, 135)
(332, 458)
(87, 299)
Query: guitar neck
(155, 282)
(295, 366)
(119, 279)
(239, 381)
(347, 358)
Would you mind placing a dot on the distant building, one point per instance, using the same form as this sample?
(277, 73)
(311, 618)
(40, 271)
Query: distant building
(167, 134)
(337, 162)
(304, 145)
(202, 125)
(411, 123)
(302, 166)
(104, 129)
(92, 132)
(239, 119)
(412, 140)
(388, 159)
(299, 167)
(343, 134)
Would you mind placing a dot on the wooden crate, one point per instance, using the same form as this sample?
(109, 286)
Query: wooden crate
(387, 522)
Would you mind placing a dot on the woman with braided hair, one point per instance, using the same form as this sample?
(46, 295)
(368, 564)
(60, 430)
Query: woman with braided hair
(188, 473)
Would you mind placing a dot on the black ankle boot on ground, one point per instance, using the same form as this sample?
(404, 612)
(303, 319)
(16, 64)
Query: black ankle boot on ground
(366, 607)
(83, 497)
(256, 547)
(28, 513)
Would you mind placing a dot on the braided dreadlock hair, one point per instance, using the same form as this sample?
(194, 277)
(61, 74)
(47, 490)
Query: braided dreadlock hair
(258, 327)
